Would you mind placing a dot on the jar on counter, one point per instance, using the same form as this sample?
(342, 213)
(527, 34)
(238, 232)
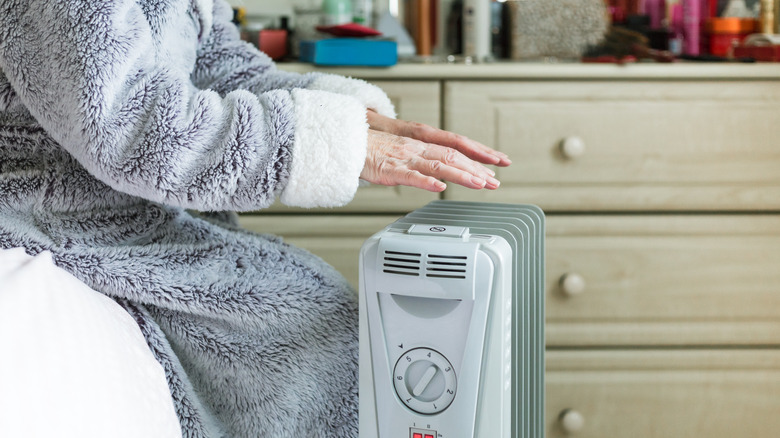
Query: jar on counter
(727, 32)
(335, 12)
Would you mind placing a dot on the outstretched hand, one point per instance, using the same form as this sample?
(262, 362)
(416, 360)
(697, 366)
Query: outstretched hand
(418, 155)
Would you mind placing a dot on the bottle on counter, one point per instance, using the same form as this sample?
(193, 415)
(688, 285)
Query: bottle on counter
(656, 10)
(691, 26)
(676, 28)
(476, 29)
(335, 12)
(777, 16)
(362, 11)
(767, 18)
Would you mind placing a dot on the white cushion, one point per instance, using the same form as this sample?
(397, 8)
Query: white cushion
(73, 363)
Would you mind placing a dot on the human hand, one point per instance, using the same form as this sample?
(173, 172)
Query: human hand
(417, 155)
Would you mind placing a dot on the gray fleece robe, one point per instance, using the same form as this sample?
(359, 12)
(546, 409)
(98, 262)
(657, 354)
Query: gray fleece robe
(115, 116)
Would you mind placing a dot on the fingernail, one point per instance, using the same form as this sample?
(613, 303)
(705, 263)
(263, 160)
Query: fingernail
(478, 181)
(490, 172)
(493, 182)
(440, 185)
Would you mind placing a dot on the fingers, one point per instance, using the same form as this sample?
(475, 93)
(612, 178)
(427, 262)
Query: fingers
(395, 160)
(428, 134)
(451, 165)
(470, 148)
(414, 178)
(439, 170)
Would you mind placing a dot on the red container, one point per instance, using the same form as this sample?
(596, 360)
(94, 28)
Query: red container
(273, 42)
(727, 32)
(759, 53)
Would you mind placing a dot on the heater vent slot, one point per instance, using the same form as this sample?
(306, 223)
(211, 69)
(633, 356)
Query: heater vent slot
(446, 266)
(402, 263)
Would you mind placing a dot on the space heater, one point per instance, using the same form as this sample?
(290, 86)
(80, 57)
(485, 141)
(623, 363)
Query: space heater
(452, 324)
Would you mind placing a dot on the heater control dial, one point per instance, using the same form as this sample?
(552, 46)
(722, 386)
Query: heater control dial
(424, 381)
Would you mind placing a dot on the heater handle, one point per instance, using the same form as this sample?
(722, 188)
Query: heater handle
(439, 231)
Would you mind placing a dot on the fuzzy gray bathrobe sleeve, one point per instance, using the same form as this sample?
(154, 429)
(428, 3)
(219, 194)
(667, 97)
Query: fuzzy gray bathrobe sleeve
(115, 116)
(162, 101)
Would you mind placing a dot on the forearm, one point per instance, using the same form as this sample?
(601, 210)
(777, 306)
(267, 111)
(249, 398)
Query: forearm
(133, 118)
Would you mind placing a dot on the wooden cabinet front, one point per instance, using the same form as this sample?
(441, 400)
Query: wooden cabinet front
(663, 393)
(663, 280)
(639, 145)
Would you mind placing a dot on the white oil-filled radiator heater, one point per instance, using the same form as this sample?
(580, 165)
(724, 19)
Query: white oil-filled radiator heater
(452, 324)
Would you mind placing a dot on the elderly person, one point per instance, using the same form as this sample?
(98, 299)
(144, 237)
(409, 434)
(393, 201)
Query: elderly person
(117, 115)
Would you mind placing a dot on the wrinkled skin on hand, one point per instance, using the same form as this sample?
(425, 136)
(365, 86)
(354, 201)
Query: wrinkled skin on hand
(418, 155)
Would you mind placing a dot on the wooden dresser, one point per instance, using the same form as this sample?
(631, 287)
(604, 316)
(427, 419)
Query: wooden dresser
(661, 185)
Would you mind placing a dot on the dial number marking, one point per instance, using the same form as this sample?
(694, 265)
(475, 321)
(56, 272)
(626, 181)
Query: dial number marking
(424, 381)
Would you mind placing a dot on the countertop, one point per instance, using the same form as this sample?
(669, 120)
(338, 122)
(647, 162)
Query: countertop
(552, 71)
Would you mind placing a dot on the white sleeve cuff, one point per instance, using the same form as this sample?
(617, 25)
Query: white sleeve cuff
(329, 150)
(370, 95)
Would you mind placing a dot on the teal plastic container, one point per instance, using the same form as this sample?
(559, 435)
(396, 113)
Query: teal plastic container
(350, 51)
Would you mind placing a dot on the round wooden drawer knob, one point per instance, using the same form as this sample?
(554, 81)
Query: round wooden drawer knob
(572, 147)
(571, 421)
(572, 284)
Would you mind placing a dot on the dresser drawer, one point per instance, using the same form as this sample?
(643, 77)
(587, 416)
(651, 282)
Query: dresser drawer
(665, 394)
(632, 145)
(663, 280)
